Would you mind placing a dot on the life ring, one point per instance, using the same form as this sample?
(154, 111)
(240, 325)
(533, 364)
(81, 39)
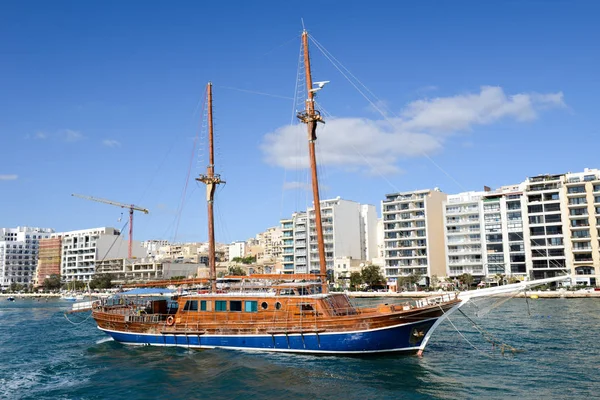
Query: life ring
(170, 320)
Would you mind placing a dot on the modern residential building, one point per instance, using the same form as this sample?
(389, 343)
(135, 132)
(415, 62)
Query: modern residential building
(294, 254)
(82, 249)
(546, 211)
(19, 254)
(582, 226)
(505, 235)
(542, 227)
(485, 234)
(300, 255)
(414, 234)
(464, 238)
(349, 230)
(48, 259)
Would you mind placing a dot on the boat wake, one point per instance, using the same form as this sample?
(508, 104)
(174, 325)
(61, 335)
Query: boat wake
(108, 339)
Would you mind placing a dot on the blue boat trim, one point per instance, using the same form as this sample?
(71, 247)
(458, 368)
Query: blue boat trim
(406, 337)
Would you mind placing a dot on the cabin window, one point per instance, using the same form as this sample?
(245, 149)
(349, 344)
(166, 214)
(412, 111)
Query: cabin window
(303, 291)
(251, 306)
(220, 305)
(235, 305)
(191, 305)
(264, 305)
(307, 307)
(204, 305)
(278, 306)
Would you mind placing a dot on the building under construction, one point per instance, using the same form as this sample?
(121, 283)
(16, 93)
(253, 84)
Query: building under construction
(48, 259)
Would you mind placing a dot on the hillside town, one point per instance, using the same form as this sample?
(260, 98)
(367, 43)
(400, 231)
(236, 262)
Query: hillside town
(545, 226)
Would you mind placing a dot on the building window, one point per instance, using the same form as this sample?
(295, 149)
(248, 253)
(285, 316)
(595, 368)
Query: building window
(537, 208)
(536, 231)
(555, 241)
(576, 189)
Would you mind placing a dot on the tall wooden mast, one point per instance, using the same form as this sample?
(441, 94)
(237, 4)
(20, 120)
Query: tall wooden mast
(310, 117)
(211, 180)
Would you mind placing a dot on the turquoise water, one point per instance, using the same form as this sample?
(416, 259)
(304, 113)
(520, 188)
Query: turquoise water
(43, 356)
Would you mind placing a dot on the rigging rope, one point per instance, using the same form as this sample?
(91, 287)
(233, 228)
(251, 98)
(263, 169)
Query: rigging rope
(187, 178)
(374, 105)
(491, 338)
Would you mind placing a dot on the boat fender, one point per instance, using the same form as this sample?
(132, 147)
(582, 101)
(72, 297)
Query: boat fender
(170, 320)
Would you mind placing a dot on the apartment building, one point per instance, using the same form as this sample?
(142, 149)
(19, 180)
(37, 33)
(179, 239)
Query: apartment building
(485, 233)
(270, 241)
(349, 230)
(582, 226)
(414, 234)
(294, 254)
(19, 254)
(464, 238)
(82, 249)
(546, 210)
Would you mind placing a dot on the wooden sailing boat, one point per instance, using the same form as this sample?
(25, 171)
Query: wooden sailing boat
(298, 316)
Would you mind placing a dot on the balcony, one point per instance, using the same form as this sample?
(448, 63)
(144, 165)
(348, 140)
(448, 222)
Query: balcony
(578, 249)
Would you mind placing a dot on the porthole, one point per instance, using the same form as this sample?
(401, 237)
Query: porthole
(278, 306)
(264, 305)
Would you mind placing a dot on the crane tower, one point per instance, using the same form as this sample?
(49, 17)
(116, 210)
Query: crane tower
(131, 208)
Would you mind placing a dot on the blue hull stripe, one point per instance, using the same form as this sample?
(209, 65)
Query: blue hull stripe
(405, 337)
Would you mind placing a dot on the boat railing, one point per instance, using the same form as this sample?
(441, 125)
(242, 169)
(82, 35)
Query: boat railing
(435, 300)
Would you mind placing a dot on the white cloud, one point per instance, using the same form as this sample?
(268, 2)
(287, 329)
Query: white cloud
(69, 135)
(41, 135)
(11, 177)
(296, 185)
(422, 128)
(111, 143)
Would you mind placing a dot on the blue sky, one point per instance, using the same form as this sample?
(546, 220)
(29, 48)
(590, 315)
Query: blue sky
(101, 98)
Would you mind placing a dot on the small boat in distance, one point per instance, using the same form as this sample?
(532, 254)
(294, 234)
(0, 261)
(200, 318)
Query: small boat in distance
(10, 298)
(289, 313)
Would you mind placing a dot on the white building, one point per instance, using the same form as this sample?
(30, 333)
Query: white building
(83, 248)
(237, 250)
(19, 254)
(463, 234)
(294, 255)
(485, 233)
(154, 246)
(349, 230)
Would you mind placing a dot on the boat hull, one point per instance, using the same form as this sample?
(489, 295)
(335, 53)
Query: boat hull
(408, 338)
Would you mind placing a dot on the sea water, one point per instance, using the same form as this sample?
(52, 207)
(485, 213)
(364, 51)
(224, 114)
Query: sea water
(45, 356)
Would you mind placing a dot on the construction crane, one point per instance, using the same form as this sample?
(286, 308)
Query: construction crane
(131, 208)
